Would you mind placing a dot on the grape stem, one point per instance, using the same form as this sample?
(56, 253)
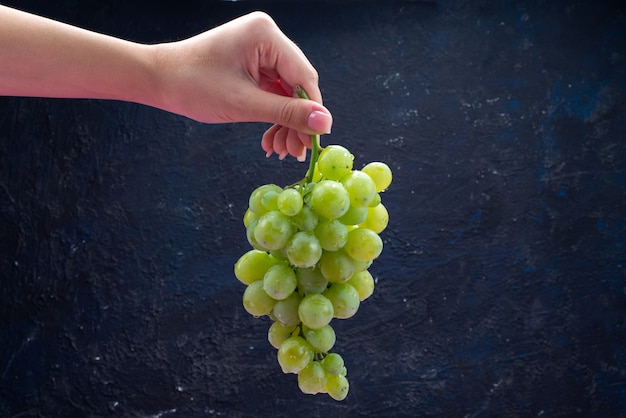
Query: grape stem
(315, 143)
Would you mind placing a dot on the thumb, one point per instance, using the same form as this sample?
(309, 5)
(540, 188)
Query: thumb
(305, 116)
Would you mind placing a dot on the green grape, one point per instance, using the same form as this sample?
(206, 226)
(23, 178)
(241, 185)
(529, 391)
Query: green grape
(360, 188)
(303, 249)
(278, 333)
(336, 266)
(294, 354)
(311, 280)
(363, 244)
(337, 387)
(315, 311)
(329, 199)
(334, 162)
(376, 201)
(377, 218)
(253, 265)
(317, 176)
(270, 200)
(256, 197)
(279, 281)
(322, 339)
(332, 234)
(361, 265)
(250, 235)
(312, 379)
(290, 202)
(256, 301)
(286, 310)
(380, 173)
(333, 364)
(345, 300)
(305, 220)
(363, 282)
(354, 215)
(272, 230)
(248, 217)
(279, 255)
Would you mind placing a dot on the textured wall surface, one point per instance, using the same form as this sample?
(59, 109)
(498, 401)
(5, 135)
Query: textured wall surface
(501, 288)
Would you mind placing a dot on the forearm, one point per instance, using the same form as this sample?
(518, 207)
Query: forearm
(45, 58)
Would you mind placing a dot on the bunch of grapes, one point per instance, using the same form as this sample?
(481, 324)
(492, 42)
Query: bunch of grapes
(313, 243)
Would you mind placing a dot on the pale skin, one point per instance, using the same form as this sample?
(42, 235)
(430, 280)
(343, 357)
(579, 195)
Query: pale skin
(242, 71)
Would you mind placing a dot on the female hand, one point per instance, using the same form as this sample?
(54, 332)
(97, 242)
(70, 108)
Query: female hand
(242, 71)
(246, 71)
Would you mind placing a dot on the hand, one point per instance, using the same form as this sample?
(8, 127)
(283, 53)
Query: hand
(245, 71)
(242, 71)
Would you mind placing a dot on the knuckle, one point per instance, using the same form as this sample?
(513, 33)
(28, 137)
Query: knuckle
(288, 113)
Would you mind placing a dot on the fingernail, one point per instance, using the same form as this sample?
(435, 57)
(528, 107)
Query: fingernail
(302, 157)
(320, 122)
(282, 155)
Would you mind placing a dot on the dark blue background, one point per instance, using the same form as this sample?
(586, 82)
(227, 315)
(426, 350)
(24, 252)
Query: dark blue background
(501, 290)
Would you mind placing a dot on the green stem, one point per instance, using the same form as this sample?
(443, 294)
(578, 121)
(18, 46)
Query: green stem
(315, 143)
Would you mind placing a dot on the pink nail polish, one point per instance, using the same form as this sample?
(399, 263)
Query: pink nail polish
(320, 122)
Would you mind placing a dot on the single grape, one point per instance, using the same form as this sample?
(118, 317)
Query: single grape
(286, 311)
(363, 282)
(332, 234)
(380, 173)
(303, 249)
(253, 265)
(305, 220)
(256, 197)
(311, 280)
(248, 217)
(290, 202)
(278, 333)
(272, 230)
(337, 387)
(315, 311)
(329, 199)
(336, 266)
(312, 379)
(279, 281)
(360, 188)
(321, 339)
(377, 218)
(333, 363)
(376, 201)
(270, 200)
(250, 235)
(256, 301)
(294, 354)
(334, 162)
(345, 300)
(363, 244)
(354, 215)
(361, 265)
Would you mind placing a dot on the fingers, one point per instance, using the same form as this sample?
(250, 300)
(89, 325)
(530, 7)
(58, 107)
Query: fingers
(295, 146)
(267, 142)
(283, 141)
(277, 67)
(305, 116)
